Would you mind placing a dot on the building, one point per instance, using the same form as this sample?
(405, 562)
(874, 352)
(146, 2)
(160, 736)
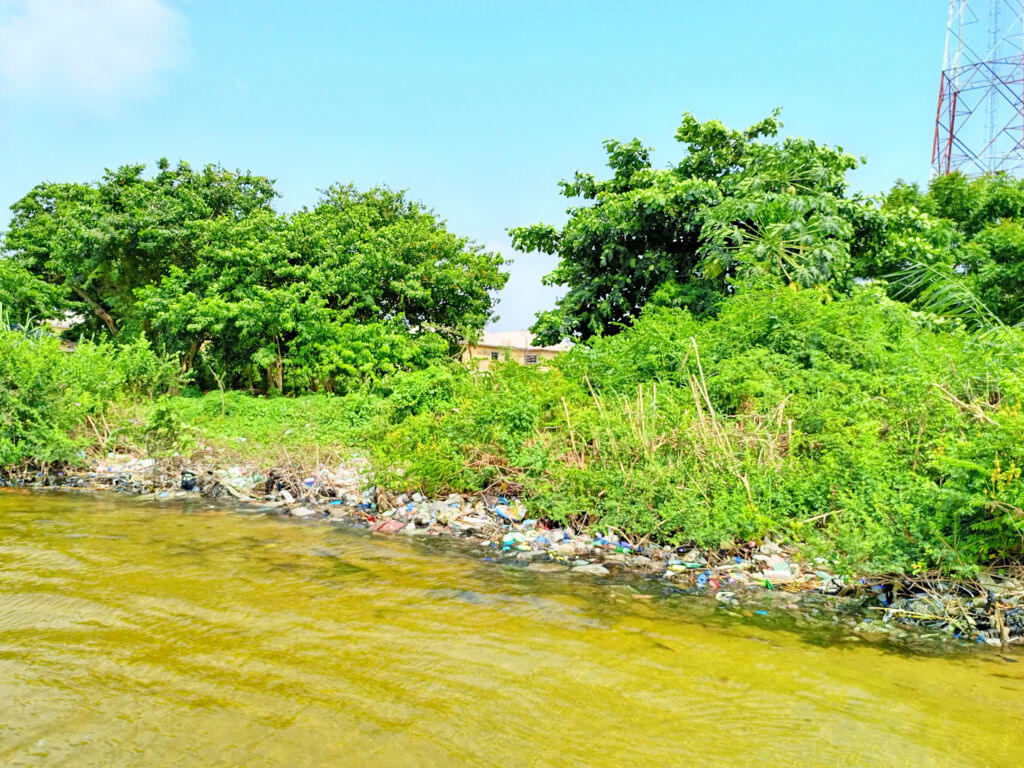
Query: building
(508, 345)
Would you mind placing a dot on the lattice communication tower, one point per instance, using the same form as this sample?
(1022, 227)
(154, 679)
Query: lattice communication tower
(979, 123)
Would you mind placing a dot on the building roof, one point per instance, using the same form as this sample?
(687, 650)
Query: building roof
(517, 340)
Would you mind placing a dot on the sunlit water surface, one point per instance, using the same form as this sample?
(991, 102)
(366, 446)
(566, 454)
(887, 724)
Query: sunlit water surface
(137, 634)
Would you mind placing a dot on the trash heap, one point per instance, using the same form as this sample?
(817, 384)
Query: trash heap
(990, 610)
(503, 526)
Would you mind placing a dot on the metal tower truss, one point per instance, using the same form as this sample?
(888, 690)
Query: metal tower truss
(979, 122)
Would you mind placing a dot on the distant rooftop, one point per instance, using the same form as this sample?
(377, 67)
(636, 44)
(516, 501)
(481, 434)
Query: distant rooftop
(517, 340)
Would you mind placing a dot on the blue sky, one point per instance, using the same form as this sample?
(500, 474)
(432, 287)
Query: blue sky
(477, 108)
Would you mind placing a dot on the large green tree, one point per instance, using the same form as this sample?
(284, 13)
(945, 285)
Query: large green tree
(99, 242)
(362, 283)
(199, 263)
(738, 206)
(23, 296)
(379, 256)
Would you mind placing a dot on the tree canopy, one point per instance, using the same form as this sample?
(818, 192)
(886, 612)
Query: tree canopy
(738, 206)
(201, 265)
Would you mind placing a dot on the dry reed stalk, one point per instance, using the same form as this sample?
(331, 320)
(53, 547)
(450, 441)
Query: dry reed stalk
(572, 435)
(704, 382)
(746, 484)
(593, 394)
(99, 439)
(973, 408)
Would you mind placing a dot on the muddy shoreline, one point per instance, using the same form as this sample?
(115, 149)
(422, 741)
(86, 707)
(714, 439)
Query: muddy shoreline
(764, 580)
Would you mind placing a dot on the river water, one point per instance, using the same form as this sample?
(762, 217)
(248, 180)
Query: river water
(140, 634)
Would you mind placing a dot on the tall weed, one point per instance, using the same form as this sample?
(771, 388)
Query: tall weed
(856, 426)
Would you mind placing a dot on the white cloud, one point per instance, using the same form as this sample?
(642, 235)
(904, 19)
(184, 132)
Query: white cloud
(85, 50)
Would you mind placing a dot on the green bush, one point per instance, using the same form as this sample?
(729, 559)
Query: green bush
(830, 422)
(48, 395)
(260, 427)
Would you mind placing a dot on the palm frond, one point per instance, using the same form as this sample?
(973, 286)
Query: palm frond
(945, 295)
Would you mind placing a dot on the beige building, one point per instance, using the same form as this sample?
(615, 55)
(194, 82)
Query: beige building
(508, 345)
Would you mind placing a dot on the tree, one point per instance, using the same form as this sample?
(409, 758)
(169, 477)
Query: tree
(24, 296)
(198, 263)
(955, 249)
(735, 207)
(101, 241)
(377, 256)
(359, 285)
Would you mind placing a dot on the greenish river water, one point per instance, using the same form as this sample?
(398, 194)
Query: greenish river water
(139, 634)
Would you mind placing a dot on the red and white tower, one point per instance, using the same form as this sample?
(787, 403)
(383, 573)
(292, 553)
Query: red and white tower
(979, 123)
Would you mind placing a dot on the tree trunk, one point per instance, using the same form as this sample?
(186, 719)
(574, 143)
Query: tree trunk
(190, 356)
(100, 311)
(275, 376)
(279, 374)
(275, 371)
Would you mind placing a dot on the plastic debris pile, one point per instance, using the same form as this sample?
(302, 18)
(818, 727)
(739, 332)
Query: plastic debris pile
(990, 611)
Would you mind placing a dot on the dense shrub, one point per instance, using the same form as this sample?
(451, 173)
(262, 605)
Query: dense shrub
(260, 427)
(48, 394)
(852, 425)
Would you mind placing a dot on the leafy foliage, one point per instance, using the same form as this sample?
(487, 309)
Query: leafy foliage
(736, 209)
(197, 262)
(99, 242)
(48, 395)
(956, 250)
(828, 421)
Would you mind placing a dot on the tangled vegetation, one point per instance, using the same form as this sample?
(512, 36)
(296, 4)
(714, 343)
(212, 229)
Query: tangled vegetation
(735, 209)
(54, 403)
(758, 352)
(855, 426)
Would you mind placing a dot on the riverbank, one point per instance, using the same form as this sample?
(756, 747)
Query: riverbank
(755, 578)
(900, 454)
